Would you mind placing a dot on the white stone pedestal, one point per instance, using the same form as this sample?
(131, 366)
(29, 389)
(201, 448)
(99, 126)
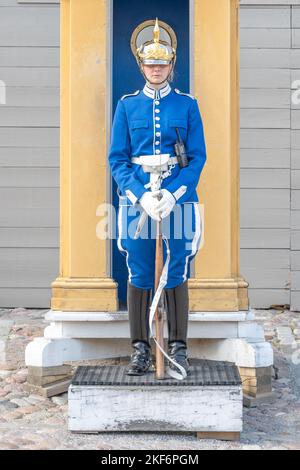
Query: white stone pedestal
(75, 336)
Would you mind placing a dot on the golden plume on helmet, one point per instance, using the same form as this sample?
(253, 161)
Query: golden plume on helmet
(155, 51)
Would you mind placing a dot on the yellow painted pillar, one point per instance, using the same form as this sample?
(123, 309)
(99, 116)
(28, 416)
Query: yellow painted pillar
(217, 284)
(84, 282)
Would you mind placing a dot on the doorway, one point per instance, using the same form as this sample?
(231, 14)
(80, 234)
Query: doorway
(126, 78)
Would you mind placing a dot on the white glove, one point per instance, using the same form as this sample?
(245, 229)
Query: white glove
(166, 204)
(149, 203)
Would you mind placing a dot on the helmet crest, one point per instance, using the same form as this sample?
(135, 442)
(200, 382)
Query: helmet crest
(154, 50)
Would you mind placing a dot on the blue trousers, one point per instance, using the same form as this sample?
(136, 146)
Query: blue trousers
(182, 229)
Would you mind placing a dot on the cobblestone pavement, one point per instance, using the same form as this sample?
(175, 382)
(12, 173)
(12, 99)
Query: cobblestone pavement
(33, 422)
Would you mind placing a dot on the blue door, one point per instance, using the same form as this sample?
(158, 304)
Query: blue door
(127, 15)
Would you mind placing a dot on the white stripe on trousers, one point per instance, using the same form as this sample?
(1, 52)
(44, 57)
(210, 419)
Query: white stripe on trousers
(120, 228)
(196, 239)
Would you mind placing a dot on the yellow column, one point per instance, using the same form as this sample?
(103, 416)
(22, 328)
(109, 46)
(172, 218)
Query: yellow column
(218, 284)
(84, 282)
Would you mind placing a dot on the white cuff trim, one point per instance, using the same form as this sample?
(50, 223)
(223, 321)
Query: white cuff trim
(180, 192)
(131, 196)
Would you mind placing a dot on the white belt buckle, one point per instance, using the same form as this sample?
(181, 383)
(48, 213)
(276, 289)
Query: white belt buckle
(155, 163)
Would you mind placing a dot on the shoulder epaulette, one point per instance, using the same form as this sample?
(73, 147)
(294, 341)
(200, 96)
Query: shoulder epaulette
(185, 94)
(130, 94)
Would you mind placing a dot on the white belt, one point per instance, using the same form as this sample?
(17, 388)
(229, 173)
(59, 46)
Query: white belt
(155, 163)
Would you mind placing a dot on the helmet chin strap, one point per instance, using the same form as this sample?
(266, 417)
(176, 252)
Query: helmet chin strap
(151, 83)
(147, 80)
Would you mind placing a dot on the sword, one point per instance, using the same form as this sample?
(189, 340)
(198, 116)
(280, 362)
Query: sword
(140, 225)
(155, 186)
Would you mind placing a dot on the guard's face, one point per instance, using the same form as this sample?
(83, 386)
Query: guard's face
(156, 73)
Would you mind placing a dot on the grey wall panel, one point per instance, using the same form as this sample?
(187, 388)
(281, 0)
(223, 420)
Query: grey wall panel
(296, 38)
(296, 17)
(295, 280)
(9, 3)
(17, 3)
(29, 117)
(22, 56)
(29, 153)
(295, 77)
(295, 262)
(266, 119)
(30, 76)
(265, 37)
(295, 179)
(295, 106)
(267, 58)
(29, 198)
(295, 99)
(265, 78)
(31, 26)
(295, 160)
(295, 300)
(295, 140)
(264, 298)
(295, 220)
(252, 98)
(265, 198)
(295, 124)
(269, 3)
(29, 237)
(265, 218)
(266, 268)
(263, 158)
(40, 2)
(25, 267)
(295, 240)
(263, 238)
(265, 138)
(261, 17)
(38, 217)
(264, 178)
(29, 208)
(29, 156)
(29, 177)
(267, 259)
(267, 278)
(25, 298)
(295, 199)
(295, 58)
(29, 137)
(32, 97)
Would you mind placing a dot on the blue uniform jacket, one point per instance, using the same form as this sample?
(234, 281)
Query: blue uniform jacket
(145, 124)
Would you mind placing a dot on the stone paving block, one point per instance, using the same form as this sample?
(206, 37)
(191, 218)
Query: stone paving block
(47, 380)
(48, 390)
(49, 371)
(285, 334)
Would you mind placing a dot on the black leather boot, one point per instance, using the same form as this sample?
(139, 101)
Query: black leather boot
(140, 359)
(177, 306)
(178, 352)
(138, 302)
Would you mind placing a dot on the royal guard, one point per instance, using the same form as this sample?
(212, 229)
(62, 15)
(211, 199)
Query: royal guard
(157, 131)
